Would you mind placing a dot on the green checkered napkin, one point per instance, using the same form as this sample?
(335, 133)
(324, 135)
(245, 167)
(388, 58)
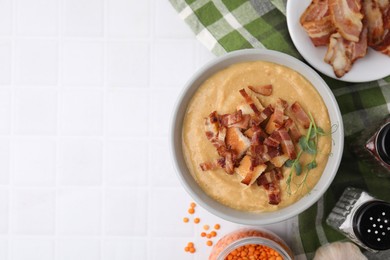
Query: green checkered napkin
(228, 25)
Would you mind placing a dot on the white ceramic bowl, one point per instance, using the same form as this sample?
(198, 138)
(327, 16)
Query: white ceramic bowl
(194, 189)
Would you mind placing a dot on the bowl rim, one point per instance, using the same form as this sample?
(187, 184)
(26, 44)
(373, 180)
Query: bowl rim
(178, 114)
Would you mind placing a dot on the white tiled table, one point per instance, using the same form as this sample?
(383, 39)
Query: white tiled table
(86, 93)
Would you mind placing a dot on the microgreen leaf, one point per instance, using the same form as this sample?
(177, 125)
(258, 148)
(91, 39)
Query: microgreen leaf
(320, 131)
(289, 163)
(311, 147)
(303, 143)
(311, 165)
(298, 168)
(312, 134)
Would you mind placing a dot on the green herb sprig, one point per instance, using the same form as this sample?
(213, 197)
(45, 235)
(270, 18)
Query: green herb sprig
(307, 144)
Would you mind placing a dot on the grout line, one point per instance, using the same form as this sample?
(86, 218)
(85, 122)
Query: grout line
(104, 130)
(58, 137)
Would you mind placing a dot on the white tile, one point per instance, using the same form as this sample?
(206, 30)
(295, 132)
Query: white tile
(126, 21)
(78, 249)
(81, 112)
(33, 249)
(6, 17)
(5, 111)
(168, 23)
(34, 161)
(5, 60)
(161, 108)
(83, 17)
(4, 210)
(36, 62)
(36, 111)
(126, 163)
(79, 212)
(32, 212)
(128, 64)
(127, 112)
(170, 248)
(37, 17)
(80, 162)
(178, 60)
(203, 54)
(124, 249)
(83, 63)
(161, 169)
(4, 161)
(126, 212)
(170, 205)
(3, 248)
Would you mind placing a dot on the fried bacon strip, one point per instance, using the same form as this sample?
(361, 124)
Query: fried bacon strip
(290, 125)
(317, 22)
(320, 31)
(249, 101)
(217, 164)
(265, 90)
(300, 114)
(270, 181)
(341, 54)
(347, 18)
(374, 20)
(287, 144)
(277, 118)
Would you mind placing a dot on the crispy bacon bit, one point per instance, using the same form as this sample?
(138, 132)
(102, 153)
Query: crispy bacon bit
(347, 18)
(265, 90)
(341, 54)
(277, 118)
(287, 144)
(271, 185)
(229, 119)
(229, 163)
(273, 140)
(300, 115)
(244, 123)
(290, 125)
(384, 46)
(249, 101)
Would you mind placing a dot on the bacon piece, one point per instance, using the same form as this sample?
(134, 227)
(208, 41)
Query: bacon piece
(320, 31)
(229, 119)
(277, 118)
(249, 175)
(270, 182)
(273, 140)
(341, 54)
(300, 114)
(210, 166)
(347, 18)
(290, 125)
(315, 11)
(287, 144)
(265, 90)
(384, 46)
(244, 123)
(236, 141)
(374, 20)
(249, 101)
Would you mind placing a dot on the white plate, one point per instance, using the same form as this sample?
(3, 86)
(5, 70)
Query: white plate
(373, 66)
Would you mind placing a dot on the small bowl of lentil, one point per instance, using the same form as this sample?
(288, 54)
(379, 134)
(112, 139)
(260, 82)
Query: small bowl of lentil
(251, 244)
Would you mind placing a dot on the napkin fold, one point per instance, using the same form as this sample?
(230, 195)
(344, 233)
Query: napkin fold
(228, 25)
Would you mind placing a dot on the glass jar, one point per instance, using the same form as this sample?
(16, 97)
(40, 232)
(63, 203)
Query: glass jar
(373, 146)
(363, 218)
(247, 237)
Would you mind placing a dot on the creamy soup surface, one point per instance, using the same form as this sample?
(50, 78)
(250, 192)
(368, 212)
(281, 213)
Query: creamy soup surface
(221, 93)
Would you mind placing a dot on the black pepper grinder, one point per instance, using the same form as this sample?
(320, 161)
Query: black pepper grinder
(373, 146)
